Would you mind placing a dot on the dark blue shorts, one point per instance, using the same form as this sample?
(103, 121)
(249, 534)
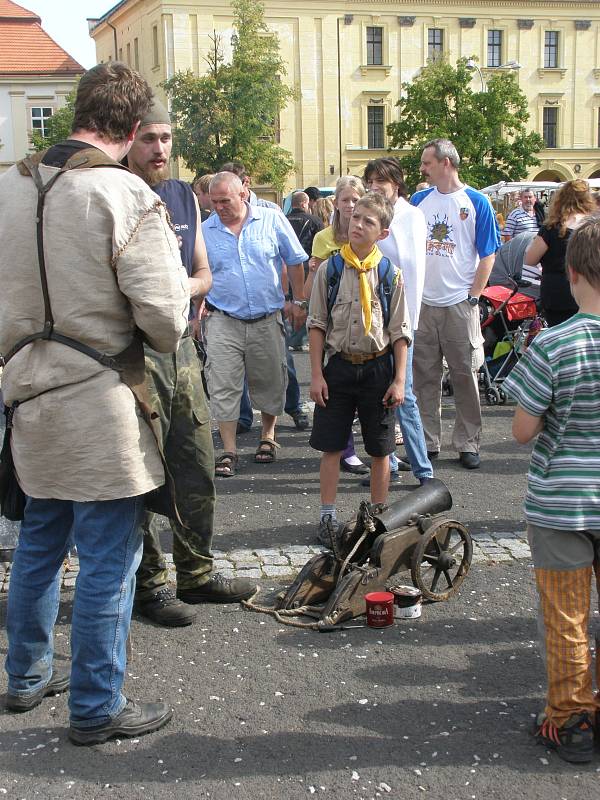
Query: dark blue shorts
(352, 388)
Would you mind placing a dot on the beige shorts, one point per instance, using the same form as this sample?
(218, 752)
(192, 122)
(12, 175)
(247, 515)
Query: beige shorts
(255, 349)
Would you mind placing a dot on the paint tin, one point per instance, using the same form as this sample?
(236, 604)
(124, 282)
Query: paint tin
(380, 609)
(407, 602)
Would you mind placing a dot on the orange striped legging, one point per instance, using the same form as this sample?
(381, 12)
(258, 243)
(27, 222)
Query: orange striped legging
(565, 607)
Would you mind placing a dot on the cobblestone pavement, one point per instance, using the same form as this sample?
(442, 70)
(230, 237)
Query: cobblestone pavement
(286, 562)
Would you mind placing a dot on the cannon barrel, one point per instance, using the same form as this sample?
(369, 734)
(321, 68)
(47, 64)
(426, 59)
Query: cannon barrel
(432, 497)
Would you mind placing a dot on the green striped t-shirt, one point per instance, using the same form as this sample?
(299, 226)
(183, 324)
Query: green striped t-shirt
(559, 378)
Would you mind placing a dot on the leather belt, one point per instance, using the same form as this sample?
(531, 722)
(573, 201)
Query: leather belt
(210, 307)
(362, 358)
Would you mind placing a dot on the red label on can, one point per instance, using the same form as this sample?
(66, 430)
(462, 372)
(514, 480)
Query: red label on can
(380, 609)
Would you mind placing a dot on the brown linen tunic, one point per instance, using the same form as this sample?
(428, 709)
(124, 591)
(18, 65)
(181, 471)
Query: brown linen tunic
(112, 263)
(345, 330)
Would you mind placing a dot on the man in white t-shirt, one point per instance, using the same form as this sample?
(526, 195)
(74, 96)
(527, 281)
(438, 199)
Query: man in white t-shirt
(405, 247)
(462, 239)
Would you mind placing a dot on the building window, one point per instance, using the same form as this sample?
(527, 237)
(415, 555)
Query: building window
(375, 127)
(128, 54)
(550, 132)
(551, 49)
(494, 50)
(120, 54)
(39, 119)
(598, 131)
(435, 44)
(155, 61)
(374, 46)
(136, 54)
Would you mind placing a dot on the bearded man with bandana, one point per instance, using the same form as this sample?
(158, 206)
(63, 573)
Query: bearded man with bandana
(366, 357)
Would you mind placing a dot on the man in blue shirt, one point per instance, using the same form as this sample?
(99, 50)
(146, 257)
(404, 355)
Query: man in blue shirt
(247, 246)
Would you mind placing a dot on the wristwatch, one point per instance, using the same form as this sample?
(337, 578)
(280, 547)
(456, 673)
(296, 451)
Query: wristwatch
(472, 301)
(302, 303)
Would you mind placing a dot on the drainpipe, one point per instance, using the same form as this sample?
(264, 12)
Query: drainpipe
(339, 66)
(110, 25)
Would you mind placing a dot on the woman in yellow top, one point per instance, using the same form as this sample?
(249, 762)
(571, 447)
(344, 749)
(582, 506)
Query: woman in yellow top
(348, 191)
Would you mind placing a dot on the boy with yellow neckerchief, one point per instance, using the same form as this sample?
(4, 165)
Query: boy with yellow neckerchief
(365, 345)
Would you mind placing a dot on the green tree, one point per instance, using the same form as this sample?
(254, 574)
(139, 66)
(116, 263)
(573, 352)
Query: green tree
(58, 127)
(232, 112)
(487, 127)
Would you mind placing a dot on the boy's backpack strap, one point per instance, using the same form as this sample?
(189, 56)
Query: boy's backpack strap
(335, 267)
(385, 276)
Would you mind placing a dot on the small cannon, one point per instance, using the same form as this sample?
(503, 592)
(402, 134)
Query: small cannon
(412, 534)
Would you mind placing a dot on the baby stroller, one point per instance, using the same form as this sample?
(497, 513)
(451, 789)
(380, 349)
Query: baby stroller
(509, 315)
(509, 321)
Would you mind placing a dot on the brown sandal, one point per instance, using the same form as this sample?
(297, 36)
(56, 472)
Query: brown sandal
(266, 451)
(226, 464)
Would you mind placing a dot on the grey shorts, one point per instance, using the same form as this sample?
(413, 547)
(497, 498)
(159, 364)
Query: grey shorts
(257, 350)
(554, 548)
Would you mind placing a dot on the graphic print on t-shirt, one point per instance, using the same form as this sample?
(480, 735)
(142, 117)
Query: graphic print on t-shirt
(439, 237)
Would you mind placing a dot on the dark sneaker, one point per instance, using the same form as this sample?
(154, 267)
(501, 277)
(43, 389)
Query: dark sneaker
(327, 530)
(59, 682)
(432, 454)
(219, 589)
(164, 608)
(134, 720)
(469, 460)
(573, 741)
(241, 428)
(301, 420)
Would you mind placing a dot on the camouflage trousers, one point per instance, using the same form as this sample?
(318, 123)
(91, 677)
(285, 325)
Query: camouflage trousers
(177, 396)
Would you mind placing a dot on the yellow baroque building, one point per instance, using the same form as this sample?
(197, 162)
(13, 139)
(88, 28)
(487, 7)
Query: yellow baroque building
(348, 59)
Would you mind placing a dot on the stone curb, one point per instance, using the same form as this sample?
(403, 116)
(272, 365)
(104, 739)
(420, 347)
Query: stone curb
(274, 562)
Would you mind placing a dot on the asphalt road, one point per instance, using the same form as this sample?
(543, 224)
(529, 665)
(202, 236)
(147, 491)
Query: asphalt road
(437, 707)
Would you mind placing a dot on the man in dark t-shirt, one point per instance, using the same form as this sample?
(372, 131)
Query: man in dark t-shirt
(178, 398)
(305, 225)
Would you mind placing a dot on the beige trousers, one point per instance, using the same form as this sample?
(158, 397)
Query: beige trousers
(453, 333)
(236, 348)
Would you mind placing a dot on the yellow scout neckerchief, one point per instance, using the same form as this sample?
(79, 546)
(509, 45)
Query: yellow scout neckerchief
(362, 267)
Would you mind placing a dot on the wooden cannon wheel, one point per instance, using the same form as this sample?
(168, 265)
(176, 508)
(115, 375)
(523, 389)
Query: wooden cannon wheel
(441, 559)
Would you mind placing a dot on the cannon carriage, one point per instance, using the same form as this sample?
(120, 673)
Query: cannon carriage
(413, 534)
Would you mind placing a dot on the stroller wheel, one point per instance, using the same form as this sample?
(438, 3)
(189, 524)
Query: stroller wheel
(492, 396)
(502, 396)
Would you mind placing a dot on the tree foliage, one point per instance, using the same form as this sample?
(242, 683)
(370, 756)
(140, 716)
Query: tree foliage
(58, 127)
(232, 112)
(487, 127)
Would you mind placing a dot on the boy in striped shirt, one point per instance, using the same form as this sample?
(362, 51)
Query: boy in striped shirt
(557, 388)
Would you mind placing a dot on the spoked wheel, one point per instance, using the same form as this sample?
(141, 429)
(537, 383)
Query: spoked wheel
(441, 560)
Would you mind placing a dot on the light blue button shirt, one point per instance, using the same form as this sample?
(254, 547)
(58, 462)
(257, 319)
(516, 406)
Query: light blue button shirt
(247, 269)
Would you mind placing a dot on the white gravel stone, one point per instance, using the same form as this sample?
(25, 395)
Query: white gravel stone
(247, 573)
(275, 571)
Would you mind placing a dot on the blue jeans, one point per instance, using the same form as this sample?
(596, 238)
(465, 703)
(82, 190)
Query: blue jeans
(109, 545)
(246, 416)
(412, 428)
(292, 394)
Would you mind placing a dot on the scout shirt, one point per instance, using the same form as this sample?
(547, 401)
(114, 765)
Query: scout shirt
(345, 331)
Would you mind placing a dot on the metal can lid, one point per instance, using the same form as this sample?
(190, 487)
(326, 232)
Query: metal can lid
(379, 597)
(405, 591)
